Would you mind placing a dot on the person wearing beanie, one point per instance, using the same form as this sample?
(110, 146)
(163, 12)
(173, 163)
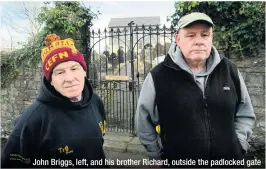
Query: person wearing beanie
(65, 125)
(196, 103)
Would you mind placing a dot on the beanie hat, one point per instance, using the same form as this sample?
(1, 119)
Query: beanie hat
(58, 51)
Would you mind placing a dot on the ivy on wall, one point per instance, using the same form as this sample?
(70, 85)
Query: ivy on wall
(239, 26)
(11, 61)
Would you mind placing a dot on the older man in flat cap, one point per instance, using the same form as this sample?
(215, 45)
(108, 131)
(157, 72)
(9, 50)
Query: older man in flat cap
(196, 102)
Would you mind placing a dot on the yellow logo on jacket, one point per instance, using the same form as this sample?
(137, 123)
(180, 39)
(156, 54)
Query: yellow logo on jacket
(158, 129)
(103, 127)
(65, 150)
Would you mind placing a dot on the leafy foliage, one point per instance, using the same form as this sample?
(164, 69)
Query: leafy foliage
(239, 26)
(11, 61)
(67, 19)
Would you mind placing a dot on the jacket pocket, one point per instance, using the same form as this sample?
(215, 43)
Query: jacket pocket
(185, 148)
(226, 148)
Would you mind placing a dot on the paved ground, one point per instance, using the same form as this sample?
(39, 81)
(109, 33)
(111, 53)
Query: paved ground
(124, 151)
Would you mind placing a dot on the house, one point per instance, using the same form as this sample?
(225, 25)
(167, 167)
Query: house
(122, 23)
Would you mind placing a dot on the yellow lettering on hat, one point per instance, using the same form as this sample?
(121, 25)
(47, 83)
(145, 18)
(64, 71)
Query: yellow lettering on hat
(47, 67)
(74, 50)
(50, 61)
(62, 55)
(68, 43)
(44, 53)
(54, 58)
(57, 43)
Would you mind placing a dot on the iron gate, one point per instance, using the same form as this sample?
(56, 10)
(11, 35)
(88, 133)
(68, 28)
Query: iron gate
(118, 61)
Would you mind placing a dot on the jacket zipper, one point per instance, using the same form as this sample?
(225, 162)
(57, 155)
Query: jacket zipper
(207, 115)
(208, 127)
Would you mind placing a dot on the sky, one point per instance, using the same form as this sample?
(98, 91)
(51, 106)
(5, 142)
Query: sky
(13, 26)
(122, 9)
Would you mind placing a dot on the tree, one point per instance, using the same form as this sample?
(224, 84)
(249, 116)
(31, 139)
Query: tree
(157, 51)
(239, 26)
(146, 52)
(121, 55)
(113, 60)
(166, 48)
(148, 45)
(129, 55)
(106, 53)
(68, 19)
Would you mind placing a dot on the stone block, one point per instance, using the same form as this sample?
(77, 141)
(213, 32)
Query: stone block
(28, 72)
(5, 99)
(33, 97)
(12, 85)
(243, 75)
(21, 95)
(21, 73)
(13, 92)
(23, 83)
(17, 83)
(255, 80)
(12, 98)
(37, 77)
(32, 85)
(37, 85)
(118, 137)
(20, 78)
(135, 141)
(32, 93)
(114, 146)
(3, 92)
(259, 111)
(259, 126)
(136, 149)
(17, 111)
(256, 91)
(258, 100)
(9, 108)
(260, 117)
(4, 110)
(3, 106)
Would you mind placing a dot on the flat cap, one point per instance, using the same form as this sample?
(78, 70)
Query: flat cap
(192, 17)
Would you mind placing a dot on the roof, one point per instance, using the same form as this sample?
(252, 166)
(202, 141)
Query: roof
(119, 22)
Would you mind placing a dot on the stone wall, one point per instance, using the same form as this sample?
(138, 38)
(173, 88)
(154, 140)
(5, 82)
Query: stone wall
(19, 95)
(25, 88)
(253, 72)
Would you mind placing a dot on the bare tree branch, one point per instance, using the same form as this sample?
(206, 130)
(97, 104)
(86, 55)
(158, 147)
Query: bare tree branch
(25, 21)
